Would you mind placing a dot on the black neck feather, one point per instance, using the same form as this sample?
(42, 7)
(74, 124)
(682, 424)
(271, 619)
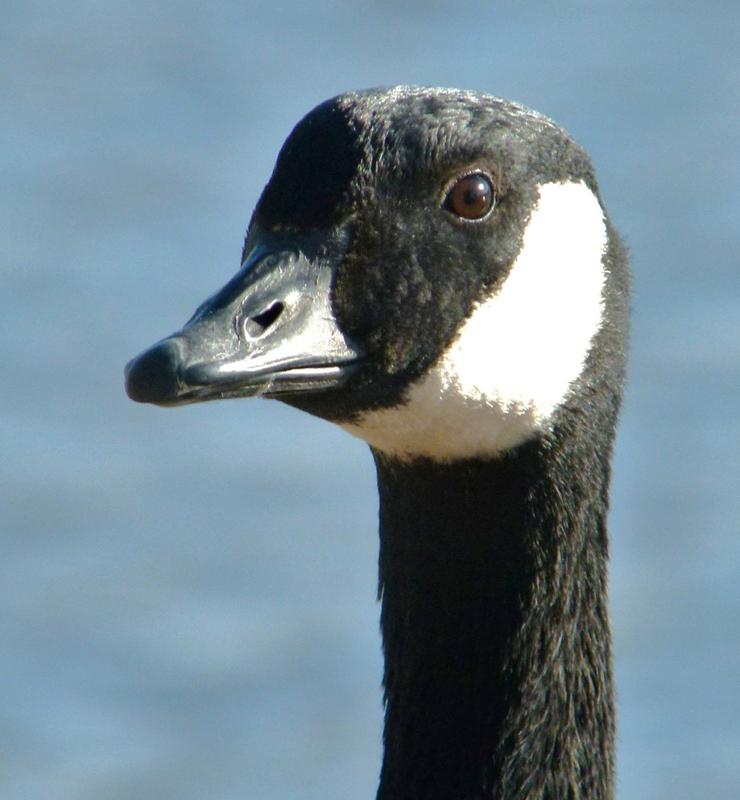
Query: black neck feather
(495, 628)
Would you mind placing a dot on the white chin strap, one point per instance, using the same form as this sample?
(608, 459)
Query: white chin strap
(517, 355)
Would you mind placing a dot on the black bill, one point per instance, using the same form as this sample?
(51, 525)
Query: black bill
(269, 331)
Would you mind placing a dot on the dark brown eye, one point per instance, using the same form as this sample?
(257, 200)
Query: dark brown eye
(471, 197)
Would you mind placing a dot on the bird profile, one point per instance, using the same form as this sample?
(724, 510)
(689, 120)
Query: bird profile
(434, 271)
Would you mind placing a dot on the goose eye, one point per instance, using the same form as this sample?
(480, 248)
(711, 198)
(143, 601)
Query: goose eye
(472, 197)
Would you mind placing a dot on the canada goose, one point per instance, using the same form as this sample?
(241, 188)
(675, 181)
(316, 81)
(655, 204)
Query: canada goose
(433, 270)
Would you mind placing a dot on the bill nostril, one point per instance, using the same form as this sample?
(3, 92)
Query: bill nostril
(257, 325)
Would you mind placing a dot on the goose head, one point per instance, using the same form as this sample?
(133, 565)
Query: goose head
(430, 269)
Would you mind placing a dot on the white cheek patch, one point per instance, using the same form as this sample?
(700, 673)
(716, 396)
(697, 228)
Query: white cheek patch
(516, 356)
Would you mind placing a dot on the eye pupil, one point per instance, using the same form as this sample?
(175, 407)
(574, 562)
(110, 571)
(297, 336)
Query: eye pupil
(471, 197)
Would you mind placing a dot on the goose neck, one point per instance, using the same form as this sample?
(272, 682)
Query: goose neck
(495, 629)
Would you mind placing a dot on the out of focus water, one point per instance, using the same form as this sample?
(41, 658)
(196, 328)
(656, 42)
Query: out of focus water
(188, 596)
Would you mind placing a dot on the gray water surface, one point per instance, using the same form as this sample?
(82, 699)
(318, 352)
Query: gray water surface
(188, 596)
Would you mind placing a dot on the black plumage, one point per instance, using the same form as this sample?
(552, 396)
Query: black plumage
(493, 566)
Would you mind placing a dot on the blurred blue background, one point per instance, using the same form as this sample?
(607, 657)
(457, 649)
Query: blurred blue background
(188, 596)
